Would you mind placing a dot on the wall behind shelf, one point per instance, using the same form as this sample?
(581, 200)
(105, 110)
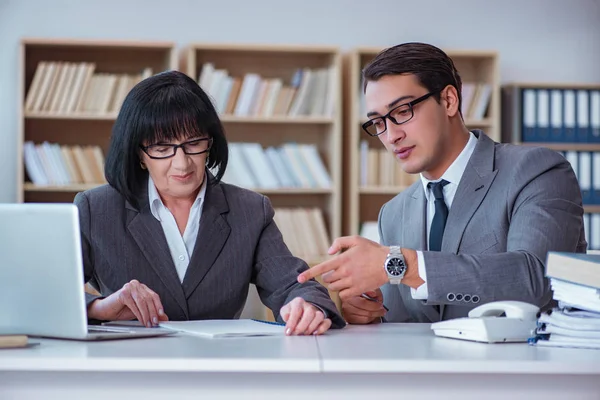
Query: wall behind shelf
(538, 40)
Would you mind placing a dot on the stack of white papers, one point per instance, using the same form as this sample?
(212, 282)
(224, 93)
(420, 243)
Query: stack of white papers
(218, 328)
(568, 327)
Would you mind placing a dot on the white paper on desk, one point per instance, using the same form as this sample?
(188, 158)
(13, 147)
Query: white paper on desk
(220, 328)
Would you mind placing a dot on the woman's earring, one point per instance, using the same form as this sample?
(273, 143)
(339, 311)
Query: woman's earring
(142, 165)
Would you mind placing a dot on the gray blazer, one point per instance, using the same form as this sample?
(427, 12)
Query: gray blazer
(513, 204)
(238, 243)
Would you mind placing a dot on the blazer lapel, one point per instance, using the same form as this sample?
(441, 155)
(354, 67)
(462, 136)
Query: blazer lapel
(149, 236)
(212, 235)
(474, 185)
(414, 232)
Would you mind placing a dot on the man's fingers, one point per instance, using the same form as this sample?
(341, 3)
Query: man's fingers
(341, 244)
(347, 292)
(376, 294)
(364, 304)
(319, 269)
(351, 309)
(340, 284)
(332, 276)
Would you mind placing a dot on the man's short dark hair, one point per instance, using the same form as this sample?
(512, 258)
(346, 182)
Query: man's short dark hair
(430, 65)
(162, 108)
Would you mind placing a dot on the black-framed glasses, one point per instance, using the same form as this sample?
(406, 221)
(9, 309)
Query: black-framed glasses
(192, 147)
(398, 115)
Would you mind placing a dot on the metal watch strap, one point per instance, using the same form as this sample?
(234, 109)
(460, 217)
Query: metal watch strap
(395, 252)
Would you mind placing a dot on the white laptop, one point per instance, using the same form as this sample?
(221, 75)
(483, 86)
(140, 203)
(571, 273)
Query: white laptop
(41, 276)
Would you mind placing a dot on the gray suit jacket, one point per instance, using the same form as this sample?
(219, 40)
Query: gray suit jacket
(238, 243)
(513, 204)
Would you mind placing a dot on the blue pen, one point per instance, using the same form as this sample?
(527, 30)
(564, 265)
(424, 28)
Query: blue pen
(269, 322)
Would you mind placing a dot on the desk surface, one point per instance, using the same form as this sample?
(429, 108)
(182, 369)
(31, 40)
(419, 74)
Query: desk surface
(392, 348)
(167, 354)
(414, 348)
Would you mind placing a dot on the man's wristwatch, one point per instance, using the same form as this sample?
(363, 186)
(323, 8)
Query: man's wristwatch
(395, 267)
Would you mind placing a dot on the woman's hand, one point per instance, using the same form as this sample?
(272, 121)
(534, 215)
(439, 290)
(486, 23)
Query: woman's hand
(302, 318)
(133, 300)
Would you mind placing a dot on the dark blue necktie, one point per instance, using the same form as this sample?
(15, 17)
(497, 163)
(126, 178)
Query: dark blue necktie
(441, 215)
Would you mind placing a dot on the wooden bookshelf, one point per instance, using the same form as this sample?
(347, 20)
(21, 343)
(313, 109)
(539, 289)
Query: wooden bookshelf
(81, 110)
(362, 203)
(263, 117)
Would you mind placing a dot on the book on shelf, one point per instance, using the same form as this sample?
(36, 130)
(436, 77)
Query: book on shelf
(291, 165)
(310, 92)
(65, 88)
(59, 165)
(575, 283)
(304, 232)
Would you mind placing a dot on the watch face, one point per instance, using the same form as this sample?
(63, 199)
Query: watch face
(395, 266)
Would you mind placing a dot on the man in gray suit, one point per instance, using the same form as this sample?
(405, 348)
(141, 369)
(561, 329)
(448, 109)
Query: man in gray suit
(478, 224)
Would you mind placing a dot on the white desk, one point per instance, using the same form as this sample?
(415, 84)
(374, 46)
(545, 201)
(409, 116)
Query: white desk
(393, 357)
(356, 363)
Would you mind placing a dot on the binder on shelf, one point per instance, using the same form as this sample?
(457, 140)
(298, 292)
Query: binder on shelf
(595, 115)
(543, 116)
(556, 116)
(569, 118)
(583, 116)
(585, 176)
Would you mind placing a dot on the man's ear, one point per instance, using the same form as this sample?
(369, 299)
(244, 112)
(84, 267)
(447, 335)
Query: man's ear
(449, 98)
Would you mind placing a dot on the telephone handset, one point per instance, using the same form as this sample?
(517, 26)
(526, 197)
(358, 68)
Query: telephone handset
(498, 321)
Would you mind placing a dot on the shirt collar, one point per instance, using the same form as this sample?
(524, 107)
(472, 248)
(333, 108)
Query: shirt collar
(156, 202)
(458, 166)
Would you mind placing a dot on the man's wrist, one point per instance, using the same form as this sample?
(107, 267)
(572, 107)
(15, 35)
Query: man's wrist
(411, 278)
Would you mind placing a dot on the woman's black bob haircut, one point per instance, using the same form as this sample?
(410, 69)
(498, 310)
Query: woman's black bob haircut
(163, 108)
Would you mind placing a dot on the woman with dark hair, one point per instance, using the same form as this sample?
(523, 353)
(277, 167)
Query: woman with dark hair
(165, 239)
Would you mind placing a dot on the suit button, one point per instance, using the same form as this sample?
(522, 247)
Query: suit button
(467, 297)
(475, 299)
(450, 296)
(459, 297)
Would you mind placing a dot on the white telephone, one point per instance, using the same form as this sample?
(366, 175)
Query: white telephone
(485, 323)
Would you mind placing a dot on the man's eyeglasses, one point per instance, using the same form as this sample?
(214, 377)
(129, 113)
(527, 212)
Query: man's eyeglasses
(398, 115)
(160, 151)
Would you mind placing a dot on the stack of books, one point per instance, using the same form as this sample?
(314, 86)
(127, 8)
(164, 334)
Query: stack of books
(575, 322)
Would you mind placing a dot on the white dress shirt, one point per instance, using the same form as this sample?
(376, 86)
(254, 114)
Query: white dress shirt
(181, 247)
(453, 174)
